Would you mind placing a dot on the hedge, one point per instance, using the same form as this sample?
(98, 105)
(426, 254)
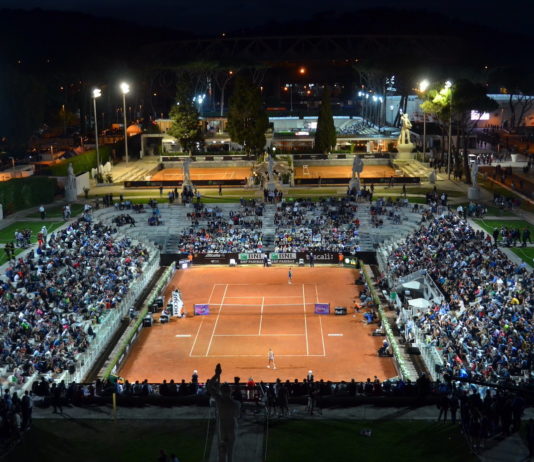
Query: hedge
(22, 193)
(81, 163)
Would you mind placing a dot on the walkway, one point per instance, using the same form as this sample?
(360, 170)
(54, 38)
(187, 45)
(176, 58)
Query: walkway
(250, 447)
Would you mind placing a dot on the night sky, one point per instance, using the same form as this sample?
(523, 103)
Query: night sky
(208, 16)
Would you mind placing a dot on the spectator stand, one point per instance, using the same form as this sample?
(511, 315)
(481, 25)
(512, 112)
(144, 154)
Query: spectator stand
(103, 331)
(482, 328)
(404, 369)
(120, 352)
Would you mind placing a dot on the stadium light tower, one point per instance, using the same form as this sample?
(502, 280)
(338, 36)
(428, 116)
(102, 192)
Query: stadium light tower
(97, 93)
(448, 86)
(125, 89)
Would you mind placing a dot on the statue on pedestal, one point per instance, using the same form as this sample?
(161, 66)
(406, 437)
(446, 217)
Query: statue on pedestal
(357, 168)
(270, 168)
(187, 172)
(473, 192)
(404, 137)
(404, 146)
(474, 175)
(70, 186)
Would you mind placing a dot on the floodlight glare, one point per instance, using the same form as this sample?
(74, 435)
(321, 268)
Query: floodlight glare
(97, 93)
(423, 85)
(448, 84)
(125, 88)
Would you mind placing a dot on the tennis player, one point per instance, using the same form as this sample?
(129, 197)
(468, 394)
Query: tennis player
(289, 276)
(270, 356)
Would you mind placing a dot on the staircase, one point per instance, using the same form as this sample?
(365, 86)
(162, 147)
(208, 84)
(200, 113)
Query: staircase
(268, 227)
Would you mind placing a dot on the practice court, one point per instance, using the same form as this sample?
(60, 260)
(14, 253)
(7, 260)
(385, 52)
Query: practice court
(254, 309)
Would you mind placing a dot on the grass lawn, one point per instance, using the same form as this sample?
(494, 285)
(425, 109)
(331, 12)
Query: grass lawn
(303, 192)
(8, 234)
(525, 253)
(337, 440)
(495, 188)
(104, 440)
(417, 190)
(490, 225)
(57, 212)
(413, 200)
(3, 257)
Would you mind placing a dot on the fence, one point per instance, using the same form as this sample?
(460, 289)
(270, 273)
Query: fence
(431, 356)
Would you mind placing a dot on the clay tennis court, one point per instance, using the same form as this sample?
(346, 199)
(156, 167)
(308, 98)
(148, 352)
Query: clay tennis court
(214, 173)
(343, 171)
(254, 309)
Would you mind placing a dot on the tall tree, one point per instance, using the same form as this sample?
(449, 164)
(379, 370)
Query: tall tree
(184, 115)
(247, 118)
(469, 98)
(325, 134)
(517, 82)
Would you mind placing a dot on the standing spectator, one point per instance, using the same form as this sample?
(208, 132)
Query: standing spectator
(56, 398)
(27, 408)
(42, 211)
(443, 406)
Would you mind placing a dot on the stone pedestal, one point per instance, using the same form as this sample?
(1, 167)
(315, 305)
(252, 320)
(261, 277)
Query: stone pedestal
(405, 151)
(473, 193)
(70, 194)
(354, 183)
(271, 186)
(514, 157)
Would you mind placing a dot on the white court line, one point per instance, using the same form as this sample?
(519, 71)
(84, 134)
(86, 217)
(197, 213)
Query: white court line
(201, 322)
(259, 335)
(183, 335)
(264, 305)
(335, 335)
(320, 320)
(216, 321)
(269, 296)
(255, 356)
(305, 320)
(261, 314)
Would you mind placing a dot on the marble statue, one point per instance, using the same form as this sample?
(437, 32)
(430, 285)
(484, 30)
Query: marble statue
(270, 168)
(228, 410)
(187, 171)
(71, 192)
(404, 137)
(474, 174)
(357, 167)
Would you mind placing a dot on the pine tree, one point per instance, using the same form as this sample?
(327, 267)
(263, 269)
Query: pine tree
(325, 134)
(247, 119)
(184, 115)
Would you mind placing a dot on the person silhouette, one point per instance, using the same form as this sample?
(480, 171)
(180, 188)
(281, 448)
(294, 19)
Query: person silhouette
(228, 410)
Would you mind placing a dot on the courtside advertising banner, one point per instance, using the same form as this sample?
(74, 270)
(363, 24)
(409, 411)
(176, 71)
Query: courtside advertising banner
(201, 310)
(322, 308)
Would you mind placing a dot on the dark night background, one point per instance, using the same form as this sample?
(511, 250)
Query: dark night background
(211, 16)
(54, 52)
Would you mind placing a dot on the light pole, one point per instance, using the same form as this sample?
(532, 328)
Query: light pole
(97, 93)
(448, 85)
(423, 85)
(125, 89)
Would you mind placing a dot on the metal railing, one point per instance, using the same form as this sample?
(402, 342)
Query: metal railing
(432, 357)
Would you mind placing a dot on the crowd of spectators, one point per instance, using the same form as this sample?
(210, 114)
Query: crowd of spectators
(327, 225)
(483, 329)
(213, 231)
(53, 298)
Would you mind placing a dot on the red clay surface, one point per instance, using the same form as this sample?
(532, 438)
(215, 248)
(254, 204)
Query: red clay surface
(241, 173)
(215, 173)
(254, 309)
(344, 171)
